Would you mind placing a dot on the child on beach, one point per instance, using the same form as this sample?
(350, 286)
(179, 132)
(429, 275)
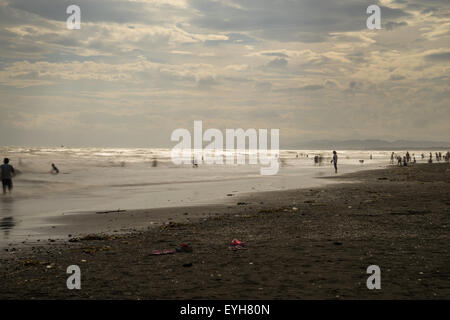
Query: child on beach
(7, 172)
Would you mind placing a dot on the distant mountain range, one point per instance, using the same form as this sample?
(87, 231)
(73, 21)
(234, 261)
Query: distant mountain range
(375, 144)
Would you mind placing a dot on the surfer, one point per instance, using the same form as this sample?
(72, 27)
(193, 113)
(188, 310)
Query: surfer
(7, 171)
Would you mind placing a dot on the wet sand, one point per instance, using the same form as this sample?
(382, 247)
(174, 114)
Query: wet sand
(301, 244)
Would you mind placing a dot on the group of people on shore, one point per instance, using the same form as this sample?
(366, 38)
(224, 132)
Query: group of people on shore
(403, 161)
(407, 158)
(334, 160)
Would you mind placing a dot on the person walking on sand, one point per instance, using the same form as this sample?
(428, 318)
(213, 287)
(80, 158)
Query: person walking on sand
(334, 161)
(7, 172)
(54, 169)
(392, 158)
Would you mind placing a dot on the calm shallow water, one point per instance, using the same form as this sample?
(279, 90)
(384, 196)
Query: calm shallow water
(100, 179)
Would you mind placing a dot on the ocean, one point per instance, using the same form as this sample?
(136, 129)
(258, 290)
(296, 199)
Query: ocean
(102, 179)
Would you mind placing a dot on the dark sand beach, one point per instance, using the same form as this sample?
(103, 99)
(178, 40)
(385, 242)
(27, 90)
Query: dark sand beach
(301, 244)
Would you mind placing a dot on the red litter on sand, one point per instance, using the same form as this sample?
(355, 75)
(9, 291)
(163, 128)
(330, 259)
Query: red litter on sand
(237, 245)
(165, 251)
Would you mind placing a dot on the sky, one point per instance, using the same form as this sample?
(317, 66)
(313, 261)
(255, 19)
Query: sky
(139, 69)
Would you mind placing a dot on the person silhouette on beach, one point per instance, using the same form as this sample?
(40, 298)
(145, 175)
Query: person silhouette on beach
(334, 161)
(55, 170)
(7, 172)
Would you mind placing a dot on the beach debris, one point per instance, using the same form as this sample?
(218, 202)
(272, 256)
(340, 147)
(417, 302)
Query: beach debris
(186, 265)
(91, 250)
(337, 243)
(110, 211)
(184, 247)
(93, 237)
(172, 224)
(237, 245)
(230, 195)
(28, 263)
(411, 212)
(294, 208)
(164, 252)
(242, 203)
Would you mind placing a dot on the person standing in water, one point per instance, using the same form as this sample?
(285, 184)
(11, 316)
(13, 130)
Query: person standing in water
(334, 161)
(7, 171)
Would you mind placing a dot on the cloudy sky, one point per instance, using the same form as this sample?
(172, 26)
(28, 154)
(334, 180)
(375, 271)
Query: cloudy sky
(138, 69)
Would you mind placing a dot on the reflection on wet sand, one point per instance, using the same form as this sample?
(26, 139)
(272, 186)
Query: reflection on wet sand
(7, 222)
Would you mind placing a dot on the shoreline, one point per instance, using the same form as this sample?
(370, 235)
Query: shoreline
(302, 243)
(35, 229)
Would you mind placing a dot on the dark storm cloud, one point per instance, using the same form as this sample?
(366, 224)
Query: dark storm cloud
(285, 20)
(91, 11)
(391, 25)
(438, 57)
